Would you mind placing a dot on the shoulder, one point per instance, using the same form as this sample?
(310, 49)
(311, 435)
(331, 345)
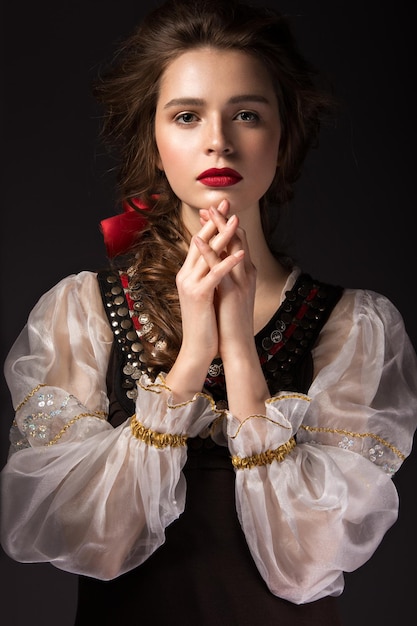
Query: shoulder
(84, 280)
(365, 329)
(75, 290)
(364, 305)
(78, 281)
(364, 320)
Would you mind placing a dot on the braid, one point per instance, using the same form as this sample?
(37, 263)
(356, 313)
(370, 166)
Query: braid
(158, 256)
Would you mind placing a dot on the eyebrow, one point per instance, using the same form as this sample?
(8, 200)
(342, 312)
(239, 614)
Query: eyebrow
(200, 102)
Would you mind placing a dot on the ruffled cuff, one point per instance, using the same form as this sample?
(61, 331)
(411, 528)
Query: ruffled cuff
(159, 415)
(260, 434)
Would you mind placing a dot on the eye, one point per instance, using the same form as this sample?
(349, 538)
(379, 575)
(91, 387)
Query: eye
(185, 118)
(247, 116)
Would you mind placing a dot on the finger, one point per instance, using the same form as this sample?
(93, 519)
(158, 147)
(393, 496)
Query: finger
(217, 218)
(240, 242)
(195, 262)
(208, 230)
(206, 233)
(221, 241)
(223, 208)
(219, 267)
(209, 233)
(206, 217)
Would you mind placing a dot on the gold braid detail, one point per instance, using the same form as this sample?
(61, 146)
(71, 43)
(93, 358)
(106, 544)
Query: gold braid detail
(153, 438)
(288, 396)
(29, 396)
(341, 431)
(264, 458)
(99, 415)
(263, 417)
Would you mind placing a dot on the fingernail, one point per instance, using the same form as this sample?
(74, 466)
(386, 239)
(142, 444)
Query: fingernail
(231, 220)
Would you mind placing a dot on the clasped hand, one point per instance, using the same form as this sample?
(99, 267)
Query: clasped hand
(216, 287)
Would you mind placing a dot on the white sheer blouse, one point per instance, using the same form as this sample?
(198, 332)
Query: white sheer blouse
(318, 511)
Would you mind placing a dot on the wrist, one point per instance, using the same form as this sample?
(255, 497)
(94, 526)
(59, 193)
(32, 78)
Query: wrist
(247, 390)
(187, 375)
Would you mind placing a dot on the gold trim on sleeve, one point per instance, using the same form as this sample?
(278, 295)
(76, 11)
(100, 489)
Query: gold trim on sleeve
(288, 396)
(263, 417)
(159, 387)
(29, 396)
(264, 458)
(153, 438)
(99, 415)
(348, 433)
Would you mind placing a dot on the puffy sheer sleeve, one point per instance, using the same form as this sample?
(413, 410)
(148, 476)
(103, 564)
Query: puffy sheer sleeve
(70, 474)
(313, 475)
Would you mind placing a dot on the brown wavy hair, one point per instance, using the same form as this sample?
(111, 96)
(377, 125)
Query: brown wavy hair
(128, 90)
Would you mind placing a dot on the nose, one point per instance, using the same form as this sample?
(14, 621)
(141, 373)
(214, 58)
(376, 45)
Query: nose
(219, 140)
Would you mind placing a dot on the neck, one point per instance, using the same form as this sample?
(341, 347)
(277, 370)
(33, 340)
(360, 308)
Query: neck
(271, 275)
(269, 269)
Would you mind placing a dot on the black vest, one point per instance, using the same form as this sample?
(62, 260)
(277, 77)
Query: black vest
(204, 575)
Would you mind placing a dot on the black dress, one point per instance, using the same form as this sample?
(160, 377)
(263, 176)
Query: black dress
(204, 575)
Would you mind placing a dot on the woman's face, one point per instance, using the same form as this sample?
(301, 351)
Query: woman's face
(217, 129)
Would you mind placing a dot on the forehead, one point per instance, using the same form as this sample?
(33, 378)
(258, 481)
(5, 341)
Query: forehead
(207, 70)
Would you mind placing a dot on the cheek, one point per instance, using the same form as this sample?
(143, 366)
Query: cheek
(170, 154)
(273, 145)
(266, 162)
(266, 159)
(266, 147)
(174, 166)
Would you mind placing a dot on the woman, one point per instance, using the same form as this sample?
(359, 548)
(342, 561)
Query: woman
(224, 423)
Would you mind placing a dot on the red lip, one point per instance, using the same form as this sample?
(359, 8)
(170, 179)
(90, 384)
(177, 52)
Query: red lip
(219, 177)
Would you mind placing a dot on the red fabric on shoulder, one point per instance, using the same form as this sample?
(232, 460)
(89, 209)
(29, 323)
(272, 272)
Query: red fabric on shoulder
(120, 231)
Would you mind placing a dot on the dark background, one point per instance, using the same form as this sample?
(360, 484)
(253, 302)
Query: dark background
(352, 216)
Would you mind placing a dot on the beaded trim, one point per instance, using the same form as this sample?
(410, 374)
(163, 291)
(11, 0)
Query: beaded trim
(29, 396)
(145, 328)
(264, 458)
(123, 322)
(155, 439)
